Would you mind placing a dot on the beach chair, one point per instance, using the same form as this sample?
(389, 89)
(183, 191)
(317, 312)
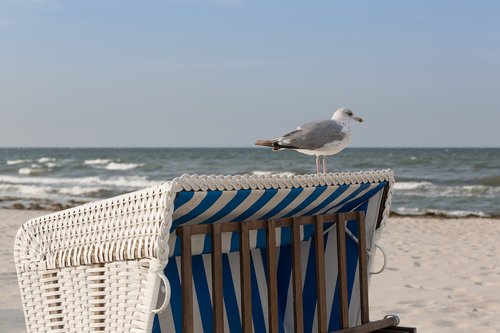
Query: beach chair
(210, 254)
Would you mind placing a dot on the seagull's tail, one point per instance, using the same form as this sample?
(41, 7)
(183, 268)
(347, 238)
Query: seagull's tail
(265, 143)
(268, 143)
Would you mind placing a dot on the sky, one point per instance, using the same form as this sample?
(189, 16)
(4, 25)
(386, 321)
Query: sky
(223, 73)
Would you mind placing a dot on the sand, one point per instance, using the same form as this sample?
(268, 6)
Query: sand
(443, 275)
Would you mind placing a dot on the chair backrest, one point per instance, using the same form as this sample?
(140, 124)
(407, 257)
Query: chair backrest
(319, 224)
(238, 293)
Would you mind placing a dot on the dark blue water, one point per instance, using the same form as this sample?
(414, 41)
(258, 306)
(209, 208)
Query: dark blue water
(453, 182)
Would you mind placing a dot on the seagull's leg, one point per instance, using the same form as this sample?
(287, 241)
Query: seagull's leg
(324, 164)
(317, 164)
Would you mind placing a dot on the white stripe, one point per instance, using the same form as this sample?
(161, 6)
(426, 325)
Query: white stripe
(331, 270)
(218, 205)
(354, 305)
(261, 283)
(278, 197)
(340, 198)
(360, 194)
(322, 197)
(189, 206)
(234, 265)
(247, 203)
(303, 195)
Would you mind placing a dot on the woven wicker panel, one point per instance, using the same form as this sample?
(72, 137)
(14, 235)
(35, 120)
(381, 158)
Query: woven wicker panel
(108, 297)
(122, 228)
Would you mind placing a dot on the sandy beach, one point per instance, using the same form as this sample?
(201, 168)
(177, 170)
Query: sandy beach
(442, 275)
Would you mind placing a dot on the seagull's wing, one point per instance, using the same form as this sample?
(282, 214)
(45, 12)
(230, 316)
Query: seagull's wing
(313, 135)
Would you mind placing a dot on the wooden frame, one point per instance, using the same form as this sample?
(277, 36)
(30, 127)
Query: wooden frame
(185, 232)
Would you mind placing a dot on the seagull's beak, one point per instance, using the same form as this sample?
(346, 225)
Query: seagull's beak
(358, 119)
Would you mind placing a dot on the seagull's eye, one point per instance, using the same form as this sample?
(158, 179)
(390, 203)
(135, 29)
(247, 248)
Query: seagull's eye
(349, 113)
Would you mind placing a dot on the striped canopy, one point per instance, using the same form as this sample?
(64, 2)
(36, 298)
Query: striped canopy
(243, 203)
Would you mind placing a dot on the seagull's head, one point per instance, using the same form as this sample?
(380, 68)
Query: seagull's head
(344, 115)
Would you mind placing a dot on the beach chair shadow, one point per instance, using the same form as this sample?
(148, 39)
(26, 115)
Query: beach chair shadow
(210, 254)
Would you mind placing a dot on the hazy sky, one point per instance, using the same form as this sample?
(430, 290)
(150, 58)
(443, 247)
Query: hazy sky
(226, 72)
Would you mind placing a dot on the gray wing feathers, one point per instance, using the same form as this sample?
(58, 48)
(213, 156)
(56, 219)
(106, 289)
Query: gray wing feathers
(313, 135)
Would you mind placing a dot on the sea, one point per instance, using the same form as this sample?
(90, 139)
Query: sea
(448, 182)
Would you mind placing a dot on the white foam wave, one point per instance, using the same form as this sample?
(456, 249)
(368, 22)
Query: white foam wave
(268, 173)
(427, 189)
(27, 191)
(122, 166)
(13, 162)
(438, 212)
(403, 186)
(98, 161)
(33, 170)
(80, 190)
(46, 159)
(129, 182)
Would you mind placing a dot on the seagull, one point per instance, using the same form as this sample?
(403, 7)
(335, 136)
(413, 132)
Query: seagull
(320, 138)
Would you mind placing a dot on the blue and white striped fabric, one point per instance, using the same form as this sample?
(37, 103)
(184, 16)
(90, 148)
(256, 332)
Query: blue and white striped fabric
(204, 207)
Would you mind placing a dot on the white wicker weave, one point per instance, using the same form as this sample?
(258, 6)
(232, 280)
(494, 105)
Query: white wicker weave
(99, 266)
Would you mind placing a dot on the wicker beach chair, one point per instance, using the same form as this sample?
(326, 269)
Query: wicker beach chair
(209, 254)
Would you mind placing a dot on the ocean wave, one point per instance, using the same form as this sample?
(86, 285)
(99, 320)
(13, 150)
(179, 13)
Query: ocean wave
(122, 166)
(404, 186)
(268, 173)
(428, 189)
(46, 159)
(128, 182)
(27, 191)
(13, 162)
(403, 211)
(81, 190)
(96, 161)
(35, 169)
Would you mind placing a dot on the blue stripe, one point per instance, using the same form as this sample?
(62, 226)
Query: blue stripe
(356, 202)
(177, 247)
(263, 254)
(352, 262)
(202, 293)
(229, 207)
(351, 196)
(294, 192)
(261, 238)
(229, 294)
(181, 198)
(284, 276)
(341, 189)
(172, 273)
(255, 207)
(309, 293)
(156, 325)
(235, 242)
(204, 205)
(257, 311)
(307, 201)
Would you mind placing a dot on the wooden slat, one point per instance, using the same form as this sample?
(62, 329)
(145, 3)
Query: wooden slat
(342, 272)
(246, 292)
(297, 278)
(272, 283)
(187, 282)
(372, 326)
(217, 297)
(320, 275)
(363, 269)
